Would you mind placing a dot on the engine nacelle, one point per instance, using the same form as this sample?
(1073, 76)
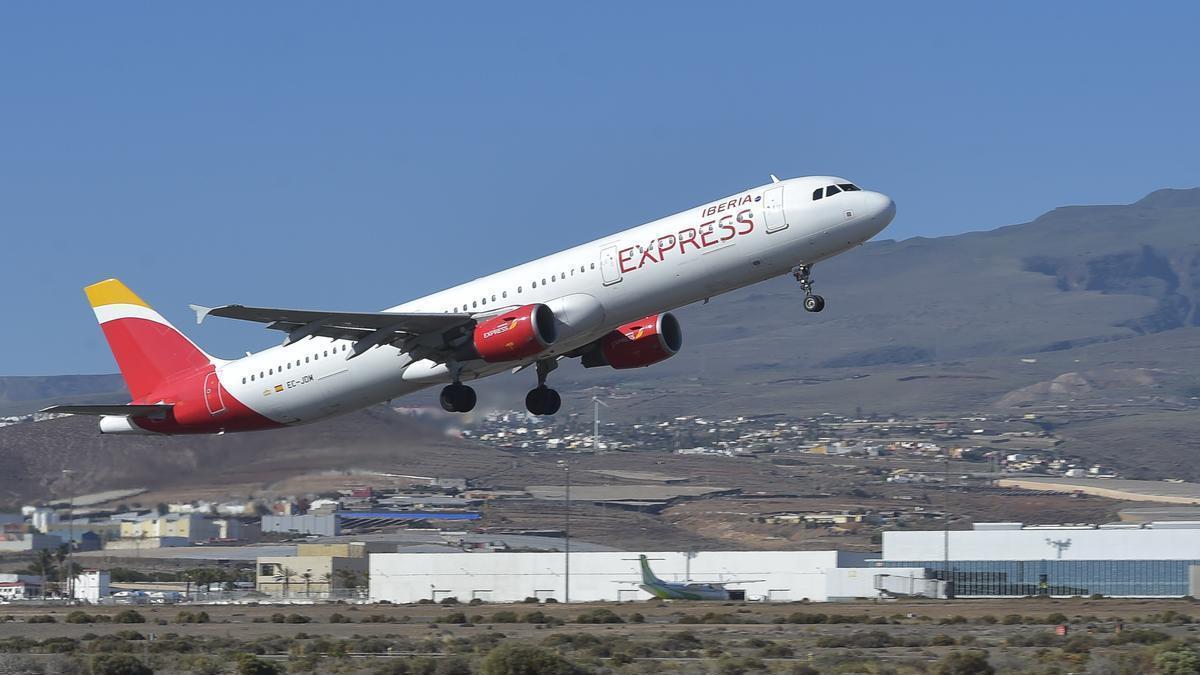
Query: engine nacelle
(515, 335)
(637, 344)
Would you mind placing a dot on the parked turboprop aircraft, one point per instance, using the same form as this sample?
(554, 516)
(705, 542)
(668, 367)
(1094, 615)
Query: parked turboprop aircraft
(688, 590)
(604, 302)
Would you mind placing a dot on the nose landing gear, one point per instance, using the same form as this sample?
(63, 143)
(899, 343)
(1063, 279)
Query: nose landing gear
(543, 400)
(812, 301)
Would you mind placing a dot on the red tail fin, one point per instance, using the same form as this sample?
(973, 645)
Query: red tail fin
(148, 349)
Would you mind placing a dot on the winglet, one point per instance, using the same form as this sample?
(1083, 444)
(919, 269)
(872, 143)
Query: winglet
(201, 312)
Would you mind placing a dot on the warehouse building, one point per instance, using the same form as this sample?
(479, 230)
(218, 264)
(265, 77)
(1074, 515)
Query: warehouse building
(781, 576)
(1158, 559)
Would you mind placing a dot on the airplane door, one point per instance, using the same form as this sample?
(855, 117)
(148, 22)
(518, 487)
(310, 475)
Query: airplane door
(773, 212)
(610, 270)
(212, 394)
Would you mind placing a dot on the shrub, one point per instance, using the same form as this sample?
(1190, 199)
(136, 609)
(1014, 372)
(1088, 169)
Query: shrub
(507, 617)
(1011, 620)
(129, 635)
(59, 645)
(296, 618)
(599, 615)
(449, 601)
(637, 617)
(278, 618)
(119, 664)
(78, 617)
(128, 616)
(964, 663)
(530, 600)
(515, 658)
(454, 617)
(338, 617)
(41, 618)
(249, 664)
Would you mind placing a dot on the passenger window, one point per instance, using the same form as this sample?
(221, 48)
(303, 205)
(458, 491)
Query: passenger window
(582, 269)
(518, 289)
(251, 378)
(289, 365)
(243, 380)
(261, 374)
(474, 303)
(504, 294)
(543, 282)
(593, 265)
(831, 190)
(553, 278)
(297, 363)
(493, 298)
(316, 356)
(327, 353)
(534, 284)
(818, 193)
(306, 359)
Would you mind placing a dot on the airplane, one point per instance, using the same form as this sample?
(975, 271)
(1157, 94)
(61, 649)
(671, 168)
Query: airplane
(605, 302)
(690, 590)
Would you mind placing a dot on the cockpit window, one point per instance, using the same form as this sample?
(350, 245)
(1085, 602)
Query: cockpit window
(818, 193)
(848, 187)
(831, 190)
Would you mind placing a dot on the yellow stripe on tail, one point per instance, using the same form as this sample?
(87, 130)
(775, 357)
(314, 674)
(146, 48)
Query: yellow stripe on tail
(112, 292)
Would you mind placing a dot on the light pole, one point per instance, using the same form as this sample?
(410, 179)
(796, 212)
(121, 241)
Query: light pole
(596, 423)
(566, 465)
(70, 536)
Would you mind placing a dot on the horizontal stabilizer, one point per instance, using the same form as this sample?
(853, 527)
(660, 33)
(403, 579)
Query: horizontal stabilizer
(157, 411)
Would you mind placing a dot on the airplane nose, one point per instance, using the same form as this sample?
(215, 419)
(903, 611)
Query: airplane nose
(879, 209)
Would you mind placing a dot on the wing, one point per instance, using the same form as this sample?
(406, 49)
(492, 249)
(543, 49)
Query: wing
(367, 329)
(155, 411)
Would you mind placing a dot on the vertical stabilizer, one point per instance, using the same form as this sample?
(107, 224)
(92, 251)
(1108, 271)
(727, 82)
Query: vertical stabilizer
(148, 349)
(647, 576)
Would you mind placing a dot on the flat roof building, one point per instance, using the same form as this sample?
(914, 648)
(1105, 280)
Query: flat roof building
(780, 576)
(1011, 559)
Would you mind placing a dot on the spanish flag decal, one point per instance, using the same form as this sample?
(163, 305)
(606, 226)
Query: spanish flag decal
(278, 388)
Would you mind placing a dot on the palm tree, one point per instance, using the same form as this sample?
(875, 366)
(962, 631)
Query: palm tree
(46, 563)
(60, 559)
(327, 579)
(307, 577)
(284, 574)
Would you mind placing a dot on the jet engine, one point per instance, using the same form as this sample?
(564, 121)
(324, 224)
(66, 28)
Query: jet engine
(515, 335)
(637, 343)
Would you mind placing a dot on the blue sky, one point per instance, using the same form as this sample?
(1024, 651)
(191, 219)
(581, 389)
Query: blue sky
(352, 156)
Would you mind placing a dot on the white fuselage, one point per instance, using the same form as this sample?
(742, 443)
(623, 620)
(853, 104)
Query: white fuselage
(699, 253)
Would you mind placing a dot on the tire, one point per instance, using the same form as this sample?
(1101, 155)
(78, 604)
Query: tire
(466, 399)
(448, 399)
(553, 402)
(457, 398)
(534, 401)
(814, 303)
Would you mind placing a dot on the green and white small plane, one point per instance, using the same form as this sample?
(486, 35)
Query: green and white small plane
(690, 590)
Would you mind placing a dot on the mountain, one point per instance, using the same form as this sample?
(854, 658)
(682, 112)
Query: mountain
(21, 395)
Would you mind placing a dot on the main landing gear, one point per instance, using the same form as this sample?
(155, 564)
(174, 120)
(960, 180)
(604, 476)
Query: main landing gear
(543, 400)
(812, 301)
(458, 397)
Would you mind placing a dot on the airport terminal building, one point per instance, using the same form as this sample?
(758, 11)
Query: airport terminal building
(776, 576)
(1158, 559)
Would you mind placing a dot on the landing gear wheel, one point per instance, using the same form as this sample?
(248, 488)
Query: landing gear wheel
(543, 401)
(814, 303)
(458, 398)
